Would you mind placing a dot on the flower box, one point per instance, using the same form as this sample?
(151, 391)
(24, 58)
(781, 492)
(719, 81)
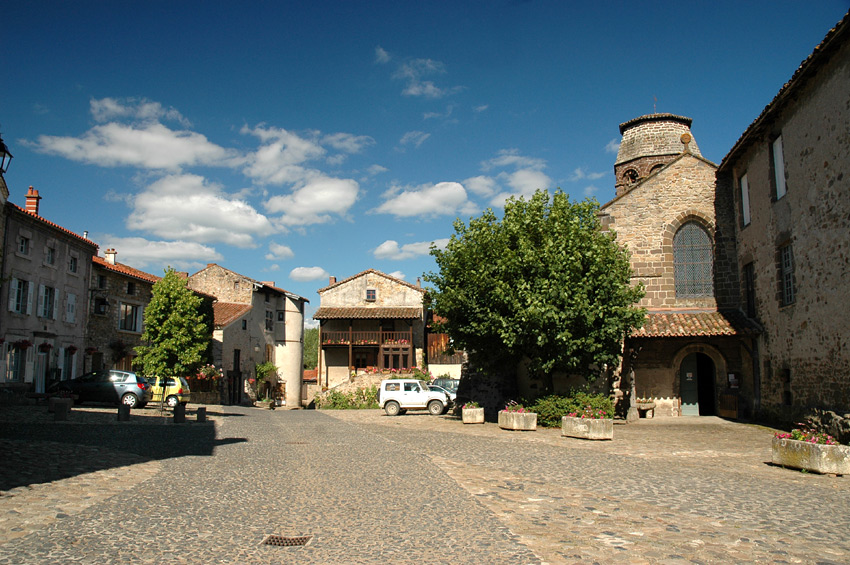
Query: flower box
(587, 428)
(815, 457)
(524, 421)
(473, 415)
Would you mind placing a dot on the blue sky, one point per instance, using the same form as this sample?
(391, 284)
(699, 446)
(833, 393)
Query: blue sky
(290, 141)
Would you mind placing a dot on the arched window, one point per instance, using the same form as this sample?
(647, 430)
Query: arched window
(693, 261)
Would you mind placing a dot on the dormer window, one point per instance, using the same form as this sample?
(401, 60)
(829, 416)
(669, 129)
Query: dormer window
(371, 294)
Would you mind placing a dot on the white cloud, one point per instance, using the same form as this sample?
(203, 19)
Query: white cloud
(306, 274)
(315, 200)
(348, 142)
(479, 109)
(376, 170)
(279, 252)
(107, 109)
(444, 115)
(188, 207)
(381, 55)
(415, 138)
(444, 198)
(279, 160)
(613, 146)
(391, 250)
(524, 182)
(143, 254)
(590, 190)
(481, 185)
(149, 146)
(397, 274)
(512, 158)
(580, 174)
(413, 73)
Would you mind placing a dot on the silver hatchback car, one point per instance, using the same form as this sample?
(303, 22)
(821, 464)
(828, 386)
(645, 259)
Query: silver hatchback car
(107, 385)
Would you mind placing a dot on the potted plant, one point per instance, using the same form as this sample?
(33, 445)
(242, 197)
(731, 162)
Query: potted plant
(811, 450)
(591, 423)
(516, 417)
(472, 413)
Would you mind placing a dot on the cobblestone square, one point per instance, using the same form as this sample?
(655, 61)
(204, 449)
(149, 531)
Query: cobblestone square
(368, 488)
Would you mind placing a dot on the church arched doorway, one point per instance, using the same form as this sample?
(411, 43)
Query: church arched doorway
(697, 385)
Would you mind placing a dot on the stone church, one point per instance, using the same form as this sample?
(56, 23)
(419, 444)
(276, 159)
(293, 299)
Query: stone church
(692, 356)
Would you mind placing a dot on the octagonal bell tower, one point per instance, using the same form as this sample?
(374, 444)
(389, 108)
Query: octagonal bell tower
(649, 143)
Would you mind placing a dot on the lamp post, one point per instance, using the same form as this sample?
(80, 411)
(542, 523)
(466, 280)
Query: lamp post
(5, 157)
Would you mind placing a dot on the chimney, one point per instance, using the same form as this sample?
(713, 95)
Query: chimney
(332, 281)
(418, 282)
(32, 201)
(109, 255)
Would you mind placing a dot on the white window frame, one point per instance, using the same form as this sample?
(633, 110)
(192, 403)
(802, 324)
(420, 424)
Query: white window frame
(137, 321)
(778, 167)
(20, 296)
(745, 200)
(48, 302)
(786, 266)
(71, 308)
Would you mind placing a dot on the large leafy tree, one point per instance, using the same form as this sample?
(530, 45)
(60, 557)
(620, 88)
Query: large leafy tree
(178, 330)
(311, 348)
(543, 283)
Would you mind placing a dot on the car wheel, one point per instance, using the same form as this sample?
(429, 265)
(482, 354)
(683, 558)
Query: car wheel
(435, 407)
(172, 401)
(392, 408)
(130, 400)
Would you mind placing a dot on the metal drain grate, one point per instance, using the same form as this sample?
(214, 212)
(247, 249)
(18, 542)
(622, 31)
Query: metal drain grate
(281, 541)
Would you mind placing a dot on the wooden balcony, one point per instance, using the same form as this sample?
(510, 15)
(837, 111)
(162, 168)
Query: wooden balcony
(373, 338)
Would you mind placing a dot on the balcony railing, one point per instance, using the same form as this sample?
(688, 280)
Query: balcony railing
(366, 338)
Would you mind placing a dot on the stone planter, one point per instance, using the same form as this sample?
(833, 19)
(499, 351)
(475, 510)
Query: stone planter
(54, 400)
(818, 458)
(473, 415)
(587, 428)
(524, 421)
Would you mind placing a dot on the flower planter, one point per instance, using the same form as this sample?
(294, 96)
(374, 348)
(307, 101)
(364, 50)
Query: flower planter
(815, 457)
(473, 415)
(587, 428)
(524, 421)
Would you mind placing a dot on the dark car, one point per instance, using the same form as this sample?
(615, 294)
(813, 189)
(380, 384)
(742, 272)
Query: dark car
(447, 383)
(111, 386)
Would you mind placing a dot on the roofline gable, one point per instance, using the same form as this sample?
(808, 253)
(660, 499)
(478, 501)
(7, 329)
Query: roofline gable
(374, 272)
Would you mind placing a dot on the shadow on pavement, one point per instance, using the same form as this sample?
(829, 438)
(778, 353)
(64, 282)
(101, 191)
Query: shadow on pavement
(43, 452)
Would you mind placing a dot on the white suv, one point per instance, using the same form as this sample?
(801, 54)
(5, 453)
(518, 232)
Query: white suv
(397, 396)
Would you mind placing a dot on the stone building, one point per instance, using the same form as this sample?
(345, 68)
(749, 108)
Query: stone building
(118, 296)
(689, 357)
(370, 321)
(46, 270)
(786, 183)
(255, 322)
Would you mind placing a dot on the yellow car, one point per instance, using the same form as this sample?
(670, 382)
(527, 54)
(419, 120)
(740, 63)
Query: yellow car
(176, 391)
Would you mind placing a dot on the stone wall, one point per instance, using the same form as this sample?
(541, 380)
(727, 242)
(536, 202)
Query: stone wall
(224, 284)
(646, 218)
(805, 348)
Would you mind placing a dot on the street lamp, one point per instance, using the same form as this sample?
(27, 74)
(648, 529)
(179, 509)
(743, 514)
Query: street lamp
(5, 157)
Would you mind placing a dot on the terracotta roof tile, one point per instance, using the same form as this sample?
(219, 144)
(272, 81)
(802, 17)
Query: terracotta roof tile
(125, 270)
(689, 324)
(225, 313)
(17, 208)
(330, 313)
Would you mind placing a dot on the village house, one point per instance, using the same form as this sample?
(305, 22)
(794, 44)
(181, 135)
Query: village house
(786, 185)
(118, 297)
(44, 314)
(255, 322)
(369, 322)
(691, 355)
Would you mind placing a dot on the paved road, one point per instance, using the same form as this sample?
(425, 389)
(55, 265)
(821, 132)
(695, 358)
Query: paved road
(369, 488)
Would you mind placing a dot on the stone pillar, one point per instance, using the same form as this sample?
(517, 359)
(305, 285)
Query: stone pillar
(202, 413)
(123, 413)
(179, 414)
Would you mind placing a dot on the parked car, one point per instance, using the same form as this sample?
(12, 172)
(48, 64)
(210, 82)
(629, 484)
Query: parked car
(396, 396)
(176, 390)
(106, 385)
(447, 383)
(452, 395)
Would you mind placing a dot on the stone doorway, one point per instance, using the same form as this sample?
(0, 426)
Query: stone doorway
(697, 385)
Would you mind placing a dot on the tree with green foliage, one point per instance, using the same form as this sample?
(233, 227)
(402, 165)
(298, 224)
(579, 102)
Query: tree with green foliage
(177, 332)
(543, 283)
(311, 348)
